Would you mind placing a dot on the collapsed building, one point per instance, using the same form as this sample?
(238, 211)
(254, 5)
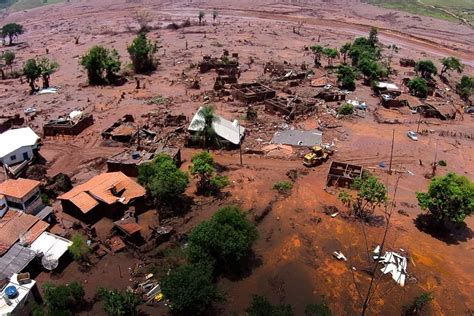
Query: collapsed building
(387, 88)
(252, 92)
(442, 111)
(9, 121)
(343, 174)
(331, 94)
(122, 130)
(224, 62)
(407, 62)
(72, 125)
(290, 107)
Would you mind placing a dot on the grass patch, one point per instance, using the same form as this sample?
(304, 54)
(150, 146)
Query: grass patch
(283, 187)
(158, 100)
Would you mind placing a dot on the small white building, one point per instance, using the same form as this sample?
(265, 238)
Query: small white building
(17, 145)
(17, 298)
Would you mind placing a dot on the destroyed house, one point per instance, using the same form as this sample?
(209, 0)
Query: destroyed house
(252, 92)
(67, 126)
(290, 107)
(122, 130)
(343, 174)
(442, 111)
(387, 88)
(224, 62)
(230, 132)
(22, 195)
(105, 195)
(331, 95)
(386, 100)
(128, 161)
(8, 122)
(407, 62)
(18, 145)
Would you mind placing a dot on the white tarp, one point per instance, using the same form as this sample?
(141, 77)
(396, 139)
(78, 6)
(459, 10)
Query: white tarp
(50, 245)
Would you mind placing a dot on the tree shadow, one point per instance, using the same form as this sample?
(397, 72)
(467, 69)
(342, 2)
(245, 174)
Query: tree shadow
(451, 236)
(242, 269)
(179, 207)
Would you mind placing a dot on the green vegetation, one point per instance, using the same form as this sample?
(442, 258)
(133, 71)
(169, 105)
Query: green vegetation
(201, 16)
(79, 248)
(12, 31)
(346, 77)
(159, 99)
(203, 169)
(317, 310)
(36, 68)
(26, 4)
(190, 288)
(142, 53)
(260, 306)
(416, 307)
(283, 187)
(330, 54)
(432, 8)
(317, 52)
(426, 68)
(442, 163)
(465, 88)
(207, 135)
(101, 65)
(117, 303)
(225, 240)
(163, 180)
(450, 199)
(60, 299)
(451, 64)
(346, 109)
(418, 87)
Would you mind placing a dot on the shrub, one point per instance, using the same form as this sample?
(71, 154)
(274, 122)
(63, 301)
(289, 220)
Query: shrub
(418, 87)
(101, 64)
(465, 87)
(60, 299)
(442, 163)
(346, 109)
(416, 307)
(190, 288)
(142, 53)
(260, 306)
(317, 310)
(79, 248)
(225, 239)
(283, 187)
(117, 303)
(203, 169)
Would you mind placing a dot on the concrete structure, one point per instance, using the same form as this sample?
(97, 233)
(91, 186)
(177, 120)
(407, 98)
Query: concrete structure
(68, 126)
(7, 122)
(290, 107)
(252, 92)
(18, 145)
(22, 194)
(343, 174)
(298, 138)
(21, 304)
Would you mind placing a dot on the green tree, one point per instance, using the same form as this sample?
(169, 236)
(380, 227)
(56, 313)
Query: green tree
(164, 181)
(346, 109)
(450, 199)
(47, 68)
(79, 248)
(346, 77)
(190, 288)
(32, 72)
(201, 16)
(9, 58)
(426, 68)
(450, 64)
(118, 303)
(372, 193)
(226, 239)
(203, 169)
(206, 133)
(418, 304)
(60, 300)
(393, 49)
(142, 53)
(418, 87)
(465, 88)
(317, 310)
(260, 306)
(371, 69)
(330, 54)
(344, 50)
(12, 31)
(101, 65)
(374, 36)
(318, 51)
(363, 48)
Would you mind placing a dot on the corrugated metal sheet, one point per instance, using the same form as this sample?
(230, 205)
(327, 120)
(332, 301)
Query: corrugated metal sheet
(15, 260)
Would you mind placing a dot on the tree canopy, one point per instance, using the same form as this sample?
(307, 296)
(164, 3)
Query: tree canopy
(418, 87)
(119, 303)
(346, 77)
(209, 182)
(12, 31)
(60, 299)
(40, 67)
(451, 64)
(449, 198)
(163, 179)
(101, 65)
(207, 135)
(142, 53)
(260, 306)
(426, 68)
(190, 288)
(465, 88)
(226, 239)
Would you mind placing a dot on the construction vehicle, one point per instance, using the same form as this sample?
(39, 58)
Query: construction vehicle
(316, 157)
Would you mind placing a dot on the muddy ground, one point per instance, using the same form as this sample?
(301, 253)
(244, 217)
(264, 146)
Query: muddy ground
(294, 264)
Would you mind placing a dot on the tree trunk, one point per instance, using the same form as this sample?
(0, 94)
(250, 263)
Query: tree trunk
(45, 82)
(2, 73)
(32, 86)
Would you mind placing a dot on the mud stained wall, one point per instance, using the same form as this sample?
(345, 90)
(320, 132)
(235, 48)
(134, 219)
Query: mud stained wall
(128, 169)
(57, 129)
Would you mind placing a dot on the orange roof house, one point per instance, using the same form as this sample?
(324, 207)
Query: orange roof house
(103, 195)
(22, 194)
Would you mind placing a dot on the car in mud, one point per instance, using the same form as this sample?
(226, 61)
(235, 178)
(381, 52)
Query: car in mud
(412, 135)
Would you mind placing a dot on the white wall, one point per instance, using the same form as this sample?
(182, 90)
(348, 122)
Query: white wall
(19, 155)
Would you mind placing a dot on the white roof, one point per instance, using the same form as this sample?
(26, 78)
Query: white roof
(223, 128)
(23, 291)
(50, 245)
(388, 86)
(14, 139)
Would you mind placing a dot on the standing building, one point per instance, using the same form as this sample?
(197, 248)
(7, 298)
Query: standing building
(22, 195)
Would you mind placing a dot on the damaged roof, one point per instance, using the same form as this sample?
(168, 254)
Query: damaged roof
(109, 188)
(223, 128)
(298, 138)
(18, 188)
(14, 139)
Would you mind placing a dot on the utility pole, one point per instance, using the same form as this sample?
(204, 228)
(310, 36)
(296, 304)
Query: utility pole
(435, 163)
(240, 147)
(419, 121)
(391, 153)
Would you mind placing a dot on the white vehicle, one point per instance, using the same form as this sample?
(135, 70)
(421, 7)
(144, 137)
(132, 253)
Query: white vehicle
(412, 135)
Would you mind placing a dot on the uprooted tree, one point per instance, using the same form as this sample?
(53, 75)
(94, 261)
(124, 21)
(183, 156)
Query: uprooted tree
(209, 182)
(449, 200)
(12, 31)
(101, 64)
(142, 53)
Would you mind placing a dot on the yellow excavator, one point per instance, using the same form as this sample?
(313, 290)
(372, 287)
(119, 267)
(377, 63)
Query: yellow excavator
(316, 157)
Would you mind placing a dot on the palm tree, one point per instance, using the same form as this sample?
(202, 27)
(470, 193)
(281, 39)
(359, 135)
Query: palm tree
(206, 132)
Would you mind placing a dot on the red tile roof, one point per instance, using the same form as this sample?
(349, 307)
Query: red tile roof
(18, 188)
